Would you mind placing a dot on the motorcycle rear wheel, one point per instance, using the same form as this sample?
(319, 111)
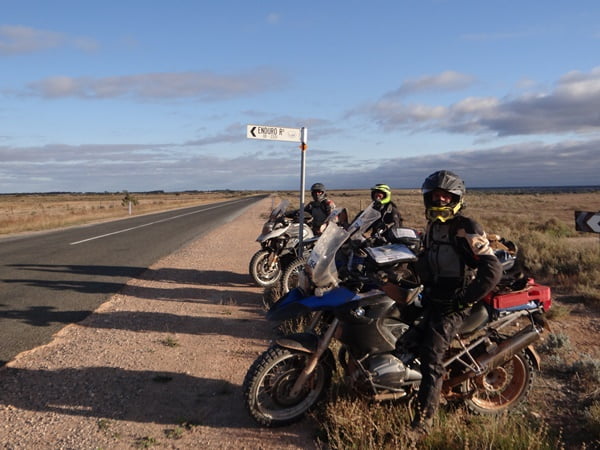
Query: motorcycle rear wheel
(503, 387)
(260, 270)
(268, 383)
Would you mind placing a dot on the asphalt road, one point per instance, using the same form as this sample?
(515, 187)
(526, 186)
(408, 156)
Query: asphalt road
(48, 280)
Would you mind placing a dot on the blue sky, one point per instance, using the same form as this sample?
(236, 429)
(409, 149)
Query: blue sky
(138, 95)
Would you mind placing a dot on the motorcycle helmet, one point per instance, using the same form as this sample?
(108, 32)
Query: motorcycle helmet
(385, 190)
(317, 191)
(449, 182)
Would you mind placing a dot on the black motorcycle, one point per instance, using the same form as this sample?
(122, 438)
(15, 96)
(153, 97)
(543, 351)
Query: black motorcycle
(490, 366)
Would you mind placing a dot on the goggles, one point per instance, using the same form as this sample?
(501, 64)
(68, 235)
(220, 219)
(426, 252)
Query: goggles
(442, 213)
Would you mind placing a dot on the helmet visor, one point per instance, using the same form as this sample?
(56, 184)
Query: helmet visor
(441, 213)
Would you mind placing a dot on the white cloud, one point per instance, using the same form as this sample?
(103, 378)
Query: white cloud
(572, 107)
(16, 39)
(501, 36)
(204, 85)
(445, 81)
(20, 39)
(273, 18)
(526, 164)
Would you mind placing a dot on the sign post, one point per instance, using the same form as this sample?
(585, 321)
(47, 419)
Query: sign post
(303, 147)
(273, 133)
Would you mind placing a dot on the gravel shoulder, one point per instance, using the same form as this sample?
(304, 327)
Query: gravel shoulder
(158, 365)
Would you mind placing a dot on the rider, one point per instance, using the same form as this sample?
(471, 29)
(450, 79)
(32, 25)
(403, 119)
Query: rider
(458, 268)
(320, 207)
(381, 194)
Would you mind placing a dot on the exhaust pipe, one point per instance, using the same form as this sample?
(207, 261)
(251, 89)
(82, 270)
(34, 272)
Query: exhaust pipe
(509, 348)
(499, 355)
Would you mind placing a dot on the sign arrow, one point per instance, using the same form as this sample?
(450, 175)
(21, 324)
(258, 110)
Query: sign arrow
(273, 133)
(594, 223)
(588, 222)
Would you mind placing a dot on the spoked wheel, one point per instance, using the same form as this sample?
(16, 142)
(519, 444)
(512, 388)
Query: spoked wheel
(289, 280)
(270, 379)
(265, 268)
(503, 387)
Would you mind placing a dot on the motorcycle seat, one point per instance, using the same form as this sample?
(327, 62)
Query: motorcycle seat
(479, 316)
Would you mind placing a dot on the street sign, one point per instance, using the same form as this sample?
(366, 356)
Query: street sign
(587, 221)
(292, 135)
(273, 133)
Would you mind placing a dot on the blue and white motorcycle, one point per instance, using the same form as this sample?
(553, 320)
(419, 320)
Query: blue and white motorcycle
(490, 368)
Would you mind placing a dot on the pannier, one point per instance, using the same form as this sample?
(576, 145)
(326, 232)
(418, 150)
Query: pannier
(530, 297)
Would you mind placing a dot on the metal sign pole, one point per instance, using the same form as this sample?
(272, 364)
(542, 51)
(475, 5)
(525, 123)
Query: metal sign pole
(303, 147)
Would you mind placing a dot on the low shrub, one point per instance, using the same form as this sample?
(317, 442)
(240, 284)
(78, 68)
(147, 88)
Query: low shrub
(587, 371)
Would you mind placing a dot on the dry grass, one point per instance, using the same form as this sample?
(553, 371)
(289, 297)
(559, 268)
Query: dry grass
(34, 212)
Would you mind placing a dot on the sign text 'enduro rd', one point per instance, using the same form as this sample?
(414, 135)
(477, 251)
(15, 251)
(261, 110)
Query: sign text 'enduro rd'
(273, 133)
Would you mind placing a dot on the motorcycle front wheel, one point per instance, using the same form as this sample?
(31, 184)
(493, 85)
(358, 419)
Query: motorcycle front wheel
(501, 388)
(262, 271)
(270, 379)
(289, 280)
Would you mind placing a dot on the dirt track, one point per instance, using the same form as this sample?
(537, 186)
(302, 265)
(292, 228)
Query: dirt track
(159, 365)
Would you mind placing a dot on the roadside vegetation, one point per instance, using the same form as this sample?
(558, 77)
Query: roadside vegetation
(35, 212)
(563, 410)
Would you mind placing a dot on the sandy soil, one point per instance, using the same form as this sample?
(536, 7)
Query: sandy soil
(159, 365)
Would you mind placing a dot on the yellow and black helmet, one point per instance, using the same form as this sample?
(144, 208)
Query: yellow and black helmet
(447, 181)
(385, 190)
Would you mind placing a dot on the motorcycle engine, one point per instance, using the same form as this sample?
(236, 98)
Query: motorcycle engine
(389, 372)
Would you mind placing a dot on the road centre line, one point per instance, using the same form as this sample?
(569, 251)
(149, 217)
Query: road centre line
(150, 223)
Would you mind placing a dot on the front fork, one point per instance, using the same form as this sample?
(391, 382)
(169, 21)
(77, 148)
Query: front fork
(314, 359)
(272, 260)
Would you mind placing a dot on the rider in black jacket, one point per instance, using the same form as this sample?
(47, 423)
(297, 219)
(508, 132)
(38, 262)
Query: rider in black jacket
(320, 207)
(458, 268)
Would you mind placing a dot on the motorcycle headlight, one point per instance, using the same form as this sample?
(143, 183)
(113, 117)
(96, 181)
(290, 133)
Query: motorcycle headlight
(267, 228)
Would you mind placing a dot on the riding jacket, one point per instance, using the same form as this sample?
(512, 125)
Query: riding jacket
(458, 262)
(319, 210)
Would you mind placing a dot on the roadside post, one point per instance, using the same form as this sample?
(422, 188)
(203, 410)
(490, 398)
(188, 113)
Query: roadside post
(273, 133)
(588, 222)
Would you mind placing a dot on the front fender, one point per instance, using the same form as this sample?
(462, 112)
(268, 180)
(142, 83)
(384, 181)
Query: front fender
(295, 303)
(303, 342)
(288, 306)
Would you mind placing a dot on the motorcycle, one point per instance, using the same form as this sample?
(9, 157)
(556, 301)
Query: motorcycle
(376, 242)
(490, 366)
(279, 241)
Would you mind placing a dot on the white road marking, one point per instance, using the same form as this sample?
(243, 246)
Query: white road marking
(149, 223)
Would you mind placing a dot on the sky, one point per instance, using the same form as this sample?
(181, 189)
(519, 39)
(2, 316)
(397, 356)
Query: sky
(141, 96)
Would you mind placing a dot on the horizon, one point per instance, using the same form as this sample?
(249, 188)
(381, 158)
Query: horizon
(154, 191)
